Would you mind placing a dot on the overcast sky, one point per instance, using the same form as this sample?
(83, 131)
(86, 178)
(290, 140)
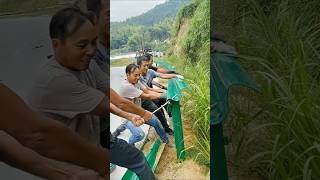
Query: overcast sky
(120, 10)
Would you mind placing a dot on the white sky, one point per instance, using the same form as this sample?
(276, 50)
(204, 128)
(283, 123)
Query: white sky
(120, 10)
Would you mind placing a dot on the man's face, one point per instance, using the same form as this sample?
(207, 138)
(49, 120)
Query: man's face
(144, 67)
(134, 76)
(78, 49)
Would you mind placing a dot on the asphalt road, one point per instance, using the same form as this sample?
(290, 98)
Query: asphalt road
(24, 45)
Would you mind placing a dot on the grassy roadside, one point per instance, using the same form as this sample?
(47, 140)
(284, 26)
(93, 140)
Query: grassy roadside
(195, 117)
(278, 136)
(121, 62)
(196, 108)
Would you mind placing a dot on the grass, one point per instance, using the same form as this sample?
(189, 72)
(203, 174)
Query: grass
(196, 106)
(121, 62)
(192, 61)
(276, 134)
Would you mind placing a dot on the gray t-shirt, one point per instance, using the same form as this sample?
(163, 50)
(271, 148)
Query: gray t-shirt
(131, 91)
(68, 96)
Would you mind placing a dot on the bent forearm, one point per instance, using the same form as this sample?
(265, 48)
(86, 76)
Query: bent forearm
(58, 142)
(167, 76)
(16, 155)
(119, 112)
(46, 136)
(162, 70)
(125, 104)
(157, 90)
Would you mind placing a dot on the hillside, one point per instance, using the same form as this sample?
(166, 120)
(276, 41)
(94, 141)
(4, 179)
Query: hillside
(189, 52)
(191, 35)
(149, 30)
(158, 13)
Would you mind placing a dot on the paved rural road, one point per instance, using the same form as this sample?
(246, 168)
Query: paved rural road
(24, 44)
(117, 74)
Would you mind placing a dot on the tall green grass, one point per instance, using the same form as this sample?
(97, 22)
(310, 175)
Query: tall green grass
(196, 106)
(193, 63)
(279, 44)
(197, 109)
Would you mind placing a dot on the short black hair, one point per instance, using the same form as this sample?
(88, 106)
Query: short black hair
(130, 68)
(148, 55)
(141, 59)
(67, 21)
(94, 6)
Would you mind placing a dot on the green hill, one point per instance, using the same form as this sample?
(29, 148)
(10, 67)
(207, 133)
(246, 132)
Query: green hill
(149, 30)
(158, 13)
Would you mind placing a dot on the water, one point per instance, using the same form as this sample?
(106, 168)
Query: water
(125, 55)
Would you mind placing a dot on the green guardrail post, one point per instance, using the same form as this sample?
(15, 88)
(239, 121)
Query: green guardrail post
(174, 94)
(178, 130)
(218, 156)
(225, 72)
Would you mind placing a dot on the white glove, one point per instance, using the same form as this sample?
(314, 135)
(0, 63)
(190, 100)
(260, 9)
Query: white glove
(179, 76)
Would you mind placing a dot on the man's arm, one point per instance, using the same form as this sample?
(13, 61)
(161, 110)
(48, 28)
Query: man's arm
(150, 96)
(128, 106)
(46, 136)
(165, 71)
(135, 119)
(16, 155)
(102, 108)
(167, 76)
(157, 90)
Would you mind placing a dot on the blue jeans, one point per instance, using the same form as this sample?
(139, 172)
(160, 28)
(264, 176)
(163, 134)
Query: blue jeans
(154, 122)
(138, 134)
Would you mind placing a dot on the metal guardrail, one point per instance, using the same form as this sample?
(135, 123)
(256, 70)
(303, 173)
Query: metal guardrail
(225, 72)
(174, 95)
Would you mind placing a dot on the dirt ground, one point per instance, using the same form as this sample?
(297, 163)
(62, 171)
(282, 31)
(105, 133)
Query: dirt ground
(170, 168)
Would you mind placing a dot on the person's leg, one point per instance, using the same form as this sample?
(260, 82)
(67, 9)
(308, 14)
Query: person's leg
(154, 122)
(104, 135)
(151, 106)
(120, 129)
(137, 133)
(126, 155)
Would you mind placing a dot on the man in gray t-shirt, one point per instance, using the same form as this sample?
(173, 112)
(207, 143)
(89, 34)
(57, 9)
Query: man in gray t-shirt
(72, 88)
(69, 96)
(131, 91)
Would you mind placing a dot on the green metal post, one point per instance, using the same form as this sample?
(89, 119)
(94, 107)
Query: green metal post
(178, 130)
(218, 156)
(152, 155)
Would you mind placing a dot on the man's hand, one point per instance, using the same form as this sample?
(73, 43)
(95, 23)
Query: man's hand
(135, 119)
(179, 76)
(147, 116)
